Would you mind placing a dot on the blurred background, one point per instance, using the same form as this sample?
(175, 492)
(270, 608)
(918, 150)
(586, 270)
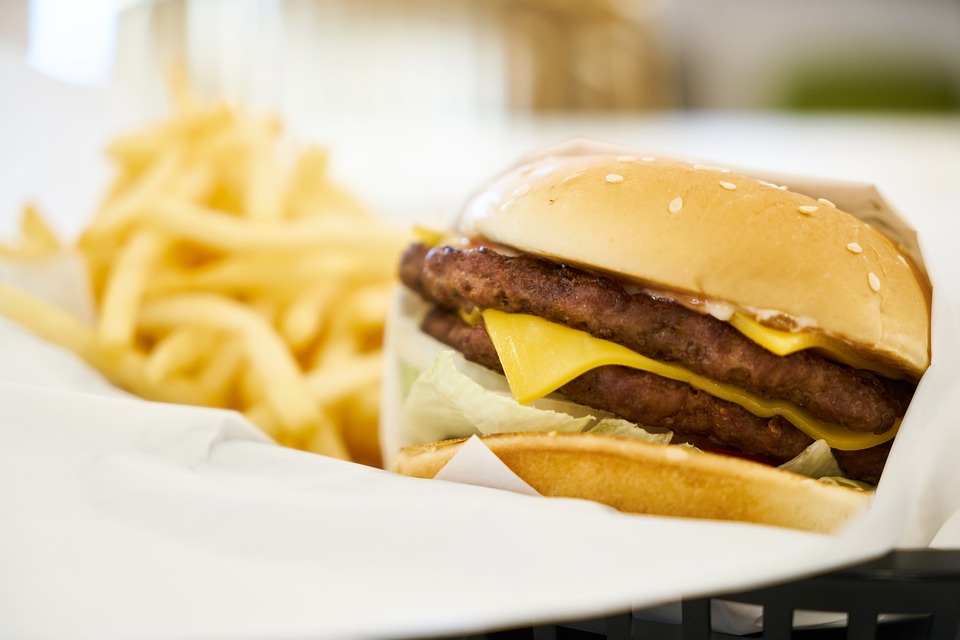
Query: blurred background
(486, 58)
(442, 75)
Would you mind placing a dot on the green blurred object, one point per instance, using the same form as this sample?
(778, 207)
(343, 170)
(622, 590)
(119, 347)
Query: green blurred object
(874, 85)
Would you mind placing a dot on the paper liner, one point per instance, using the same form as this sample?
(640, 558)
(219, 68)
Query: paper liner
(917, 502)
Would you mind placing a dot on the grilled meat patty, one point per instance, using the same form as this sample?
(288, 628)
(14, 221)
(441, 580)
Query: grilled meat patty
(649, 399)
(657, 328)
(467, 279)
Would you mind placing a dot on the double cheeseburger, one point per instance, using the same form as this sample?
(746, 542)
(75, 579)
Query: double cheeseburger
(749, 326)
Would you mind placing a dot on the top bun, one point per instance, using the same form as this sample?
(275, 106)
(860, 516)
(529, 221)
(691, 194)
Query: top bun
(716, 235)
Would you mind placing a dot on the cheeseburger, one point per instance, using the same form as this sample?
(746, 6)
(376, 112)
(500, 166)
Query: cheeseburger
(666, 338)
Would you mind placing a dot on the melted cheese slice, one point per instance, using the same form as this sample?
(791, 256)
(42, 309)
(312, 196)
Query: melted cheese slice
(429, 237)
(783, 343)
(539, 356)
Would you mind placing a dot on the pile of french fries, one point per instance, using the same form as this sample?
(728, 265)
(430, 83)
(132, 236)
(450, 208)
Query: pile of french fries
(229, 271)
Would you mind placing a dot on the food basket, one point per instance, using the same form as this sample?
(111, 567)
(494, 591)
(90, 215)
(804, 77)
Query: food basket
(904, 595)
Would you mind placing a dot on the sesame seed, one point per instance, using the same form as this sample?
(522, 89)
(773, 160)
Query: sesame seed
(570, 177)
(826, 202)
(675, 205)
(522, 190)
(506, 205)
(729, 186)
(702, 166)
(874, 281)
(626, 158)
(902, 260)
(648, 159)
(525, 168)
(807, 209)
(782, 187)
(854, 247)
(614, 178)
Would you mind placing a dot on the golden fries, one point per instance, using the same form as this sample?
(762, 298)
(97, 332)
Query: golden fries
(125, 285)
(36, 238)
(126, 368)
(226, 277)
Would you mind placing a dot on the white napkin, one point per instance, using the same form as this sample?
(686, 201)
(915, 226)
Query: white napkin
(121, 518)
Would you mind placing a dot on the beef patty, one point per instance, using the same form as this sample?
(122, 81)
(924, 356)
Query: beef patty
(648, 399)
(474, 278)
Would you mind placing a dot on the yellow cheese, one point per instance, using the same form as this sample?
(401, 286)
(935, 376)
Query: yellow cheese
(427, 236)
(539, 356)
(784, 343)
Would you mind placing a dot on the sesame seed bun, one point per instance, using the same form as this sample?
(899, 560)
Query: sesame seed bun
(639, 477)
(711, 234)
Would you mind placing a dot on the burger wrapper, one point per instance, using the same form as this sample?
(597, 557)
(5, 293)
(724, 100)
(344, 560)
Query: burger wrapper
(916, 504)
(122, 518)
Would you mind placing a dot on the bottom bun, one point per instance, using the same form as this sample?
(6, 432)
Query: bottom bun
(667, 480)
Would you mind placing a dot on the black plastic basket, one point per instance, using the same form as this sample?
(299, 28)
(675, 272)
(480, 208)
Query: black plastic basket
(901, 596)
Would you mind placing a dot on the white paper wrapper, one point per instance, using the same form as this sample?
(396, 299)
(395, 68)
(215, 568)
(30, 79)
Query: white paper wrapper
(917, 501)
(132, 519)
(121, 518)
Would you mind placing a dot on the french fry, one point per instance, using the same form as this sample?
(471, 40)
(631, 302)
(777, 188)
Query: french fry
(36, 233)
(267, 274)
(131, 201)
(354, 412)
(328, 385)
(211, 228)
(249, 390)
(220, 373)
(265, 418)
(284, 386)
(369, 306)
(125, 368)
(226, 276)
(124, 289)
(45, 320)
(36, 237)
(178, 351)
(264, 189)
(312, 194)
(191, 125)
(304, 317)
(337, 344)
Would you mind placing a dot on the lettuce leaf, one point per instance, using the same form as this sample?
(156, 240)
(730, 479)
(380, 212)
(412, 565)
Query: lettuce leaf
(627, 429)
(847, 482)
(445, 403)
(816, 461)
